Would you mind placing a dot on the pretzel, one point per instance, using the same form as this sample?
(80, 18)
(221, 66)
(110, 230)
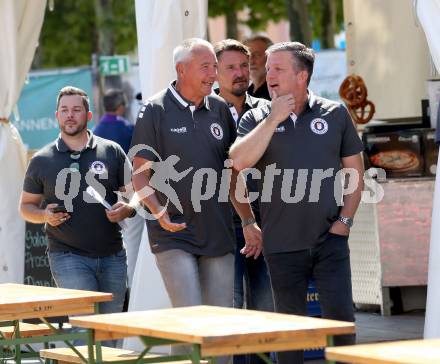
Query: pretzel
(354, 94)
(363, 113)
(353, 91)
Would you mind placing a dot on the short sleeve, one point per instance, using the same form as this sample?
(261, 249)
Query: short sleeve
(247, 123)
(144, 142)
(351, 143)
(231, 126)
(124, 168)
(32, 180)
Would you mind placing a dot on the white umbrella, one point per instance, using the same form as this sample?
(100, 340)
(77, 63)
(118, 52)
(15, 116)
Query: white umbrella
(20, 26)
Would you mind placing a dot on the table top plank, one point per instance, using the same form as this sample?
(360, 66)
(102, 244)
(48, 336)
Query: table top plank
(396, 352)
(67, 355)
(213, 325)
(311, 341)
(12, 294)
(26, 330)
(17, 300)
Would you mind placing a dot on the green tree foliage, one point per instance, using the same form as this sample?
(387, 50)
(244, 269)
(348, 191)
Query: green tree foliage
(70, 32)
(309, 19)
(263, 11)
(260, 12)
(299, 20)
(327, 19)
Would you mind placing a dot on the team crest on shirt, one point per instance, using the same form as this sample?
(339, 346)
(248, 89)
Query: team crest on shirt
(319, 126)
(217, 131)
(98, 167)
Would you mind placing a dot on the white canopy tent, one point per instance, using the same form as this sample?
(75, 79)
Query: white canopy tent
(161, 26)
(428, 13)
(20, 26)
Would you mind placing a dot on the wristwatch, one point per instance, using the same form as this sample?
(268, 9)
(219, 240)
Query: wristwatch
(133, 213)
(248, 221)
(346, 221)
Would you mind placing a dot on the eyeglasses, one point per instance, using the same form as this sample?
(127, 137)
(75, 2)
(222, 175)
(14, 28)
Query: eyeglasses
(75, 156)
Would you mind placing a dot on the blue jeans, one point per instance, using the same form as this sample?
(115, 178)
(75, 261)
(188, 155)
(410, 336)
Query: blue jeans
(257, 287)
(104, 274)
(329, 264)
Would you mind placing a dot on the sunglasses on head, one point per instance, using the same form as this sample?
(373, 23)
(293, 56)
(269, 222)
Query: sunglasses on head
(74, 156)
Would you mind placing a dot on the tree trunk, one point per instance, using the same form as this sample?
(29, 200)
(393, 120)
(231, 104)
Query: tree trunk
(104, 29)
(328, 23)
(231, 24)
(106, 40)
(300, 29)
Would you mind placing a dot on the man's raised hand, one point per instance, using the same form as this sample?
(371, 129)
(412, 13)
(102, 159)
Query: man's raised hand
(282, 107)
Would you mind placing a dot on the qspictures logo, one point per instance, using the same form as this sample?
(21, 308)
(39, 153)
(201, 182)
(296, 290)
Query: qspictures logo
(287, 185)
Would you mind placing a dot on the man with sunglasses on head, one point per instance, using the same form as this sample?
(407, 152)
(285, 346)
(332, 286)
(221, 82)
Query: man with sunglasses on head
(84, 239)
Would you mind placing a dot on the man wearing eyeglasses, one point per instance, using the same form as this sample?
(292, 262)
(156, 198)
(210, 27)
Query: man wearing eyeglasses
(84, 239)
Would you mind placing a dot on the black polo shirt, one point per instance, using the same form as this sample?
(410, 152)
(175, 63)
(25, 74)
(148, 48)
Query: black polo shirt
(261, 92)
(250, 103)
(200, 138)
(88, 231)
(301, 148)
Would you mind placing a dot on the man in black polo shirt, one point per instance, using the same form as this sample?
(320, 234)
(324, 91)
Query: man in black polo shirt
(233, 80)
(187, 133)
(305, 229)
(85, 244)
(258, 44)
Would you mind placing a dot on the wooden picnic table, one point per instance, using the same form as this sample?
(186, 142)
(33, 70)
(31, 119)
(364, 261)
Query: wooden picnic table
(216, 331)
(20, 301)
(394, 352)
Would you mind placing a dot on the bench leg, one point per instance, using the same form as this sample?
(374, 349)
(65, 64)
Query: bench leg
(330, 343)
(18, 346)
(195, 354)
(90, 342)
(264, 358)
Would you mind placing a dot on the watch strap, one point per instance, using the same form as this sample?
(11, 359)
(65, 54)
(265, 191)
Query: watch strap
(248, 221)
(346, 220)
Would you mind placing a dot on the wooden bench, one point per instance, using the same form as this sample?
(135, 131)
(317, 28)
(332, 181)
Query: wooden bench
(67, 355)
(26, 330)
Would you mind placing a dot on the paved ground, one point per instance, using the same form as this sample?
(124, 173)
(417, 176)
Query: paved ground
(372, 327)
(375, 328)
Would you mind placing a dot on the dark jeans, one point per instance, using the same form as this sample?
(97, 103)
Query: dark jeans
(258, 289)
(329, 264)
